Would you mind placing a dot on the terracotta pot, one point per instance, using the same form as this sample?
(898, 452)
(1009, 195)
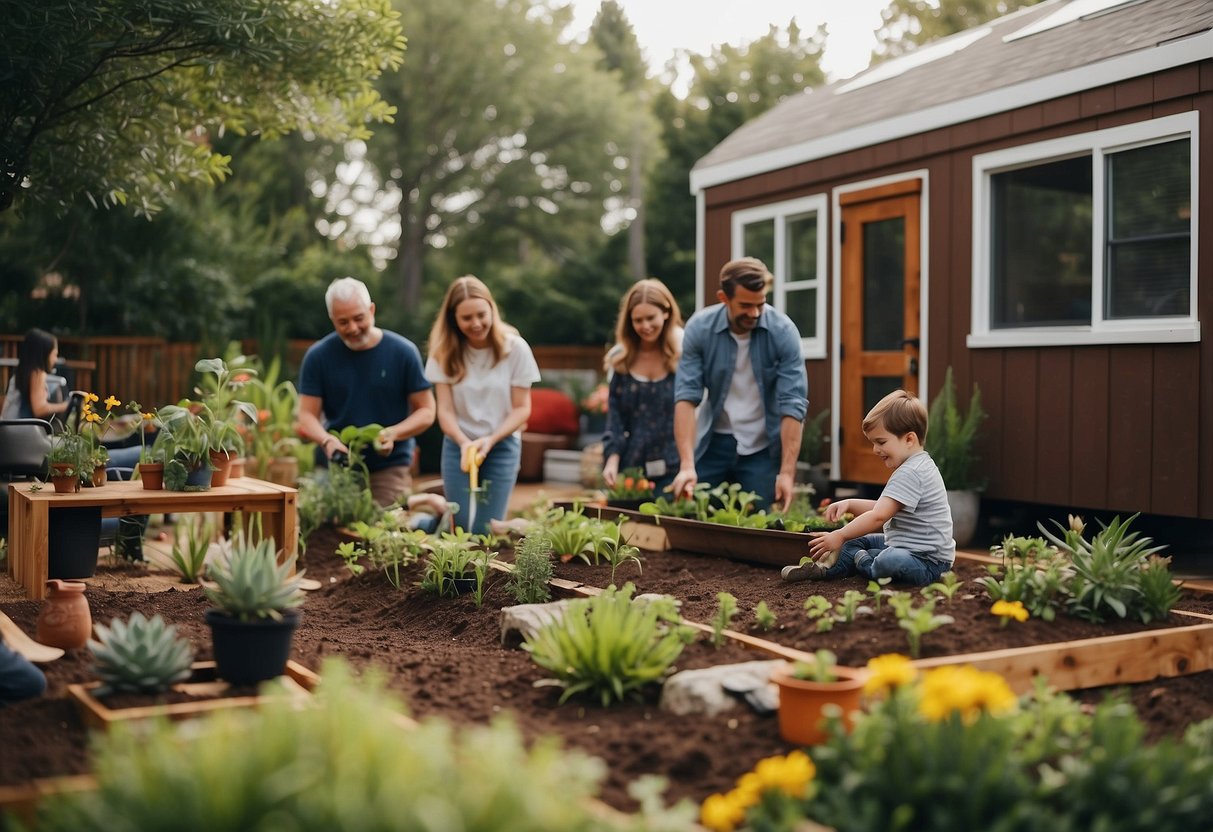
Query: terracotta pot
(66, 484)
(64, 620)
(801, 702)
(283, 470)
(97, 478)
(237, 468)
(221, 467)
(152, 475)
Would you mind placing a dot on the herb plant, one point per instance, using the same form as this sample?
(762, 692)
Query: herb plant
(764, 617)
(821, 669)
(726, 610)
(918, 621)
(532, 569)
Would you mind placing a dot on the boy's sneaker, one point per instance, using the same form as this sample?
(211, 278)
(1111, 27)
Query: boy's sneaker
(803, 572)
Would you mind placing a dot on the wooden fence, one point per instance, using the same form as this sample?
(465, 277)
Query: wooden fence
(154, 372)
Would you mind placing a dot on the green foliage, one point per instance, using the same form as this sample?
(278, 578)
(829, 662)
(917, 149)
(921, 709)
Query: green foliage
(251, 584)
(1046, 765)
(139, 655)
(812, 439)
(918, 621)
(386, 545)
(726, 611)
(119, 102)
(188, 559)
(945, 587)
(878, 590)
(821, 669)
(287, 767)
(952, 434)
(339, 495)
(764, 617)
(532, 569)
(609, 646)
(449, 558)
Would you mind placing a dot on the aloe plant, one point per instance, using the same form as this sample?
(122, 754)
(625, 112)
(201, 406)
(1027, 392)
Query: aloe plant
(251, 584)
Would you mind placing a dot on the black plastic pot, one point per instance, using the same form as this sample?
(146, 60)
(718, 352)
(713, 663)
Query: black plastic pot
(464, 583)
(248, 652)
(72, 543)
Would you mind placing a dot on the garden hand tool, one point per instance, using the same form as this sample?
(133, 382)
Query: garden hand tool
(25, 646)
(472, 458)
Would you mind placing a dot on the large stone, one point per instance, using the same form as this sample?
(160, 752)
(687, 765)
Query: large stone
(712, 690)
(520, 622)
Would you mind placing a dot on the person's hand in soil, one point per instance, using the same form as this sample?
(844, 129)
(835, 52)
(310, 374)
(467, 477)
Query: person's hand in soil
(823, 543)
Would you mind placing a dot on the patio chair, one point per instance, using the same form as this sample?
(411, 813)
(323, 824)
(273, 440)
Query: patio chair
(24, 447)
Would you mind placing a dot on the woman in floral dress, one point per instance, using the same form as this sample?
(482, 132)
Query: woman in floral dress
(640, 410)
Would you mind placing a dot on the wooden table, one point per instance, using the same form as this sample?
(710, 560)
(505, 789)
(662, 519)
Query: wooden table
(29, 515)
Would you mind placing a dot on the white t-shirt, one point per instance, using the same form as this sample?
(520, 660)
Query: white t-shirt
(743, 414)
(483, 396)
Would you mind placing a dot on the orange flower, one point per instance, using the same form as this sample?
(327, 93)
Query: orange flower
(264, 416)
(628, 482)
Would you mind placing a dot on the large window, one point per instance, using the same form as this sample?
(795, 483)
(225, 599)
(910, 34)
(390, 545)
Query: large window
(1088, 239)
(789, 237)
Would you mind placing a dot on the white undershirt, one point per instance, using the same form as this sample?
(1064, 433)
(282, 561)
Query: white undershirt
(743, 414)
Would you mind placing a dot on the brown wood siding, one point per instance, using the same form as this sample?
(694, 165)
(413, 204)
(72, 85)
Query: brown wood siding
(1118, 427)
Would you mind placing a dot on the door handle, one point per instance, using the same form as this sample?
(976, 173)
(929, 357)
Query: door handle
(912, 370)
(910, 342)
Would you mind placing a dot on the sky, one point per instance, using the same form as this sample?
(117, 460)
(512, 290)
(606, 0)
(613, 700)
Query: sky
(662, 26)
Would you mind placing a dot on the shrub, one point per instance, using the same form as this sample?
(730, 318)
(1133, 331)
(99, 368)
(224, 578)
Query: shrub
(952, 434)
(532, 569)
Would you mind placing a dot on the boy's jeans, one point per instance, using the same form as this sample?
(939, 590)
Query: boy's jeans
(871, 557)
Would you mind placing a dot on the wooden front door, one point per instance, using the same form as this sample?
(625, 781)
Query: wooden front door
(880, 313)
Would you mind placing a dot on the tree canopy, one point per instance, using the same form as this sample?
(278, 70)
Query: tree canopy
(120, 100)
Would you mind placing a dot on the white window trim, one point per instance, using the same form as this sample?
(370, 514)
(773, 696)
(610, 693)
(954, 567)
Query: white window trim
(1099, 143)
(779, 212)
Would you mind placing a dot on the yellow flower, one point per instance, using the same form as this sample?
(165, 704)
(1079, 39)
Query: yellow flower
(966, 691)
(748, 790)
(147, 417)
(92, 416)
(721, 813)
(790, 774)
(111, 402)
(91, 397)
(1009, 609)
(888, 672)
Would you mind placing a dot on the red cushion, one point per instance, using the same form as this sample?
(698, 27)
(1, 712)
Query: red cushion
(552, 412)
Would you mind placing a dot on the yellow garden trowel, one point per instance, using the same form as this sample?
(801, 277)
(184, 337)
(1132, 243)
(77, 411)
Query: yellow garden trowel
(25, 646)
(472, 460)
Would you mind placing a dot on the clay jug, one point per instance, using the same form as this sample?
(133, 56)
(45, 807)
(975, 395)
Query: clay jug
(64, 620)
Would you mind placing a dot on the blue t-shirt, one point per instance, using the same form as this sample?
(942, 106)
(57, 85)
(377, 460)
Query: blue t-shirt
(363, 387)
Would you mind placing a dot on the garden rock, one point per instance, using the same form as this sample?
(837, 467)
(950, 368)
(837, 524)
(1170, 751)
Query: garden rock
(712, 690)
(520, 622)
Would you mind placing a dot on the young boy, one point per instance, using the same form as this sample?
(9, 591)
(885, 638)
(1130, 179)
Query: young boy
(916, 546)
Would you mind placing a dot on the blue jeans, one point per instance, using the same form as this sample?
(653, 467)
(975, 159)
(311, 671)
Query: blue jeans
(19, 679)
(871, 557)
(497, 477)
(755, 472)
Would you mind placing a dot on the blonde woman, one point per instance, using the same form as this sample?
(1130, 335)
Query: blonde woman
(482, 371)
(640, 408)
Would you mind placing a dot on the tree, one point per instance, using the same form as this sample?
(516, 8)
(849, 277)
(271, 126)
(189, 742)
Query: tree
(120, 100)
(505, 138)
(728, 87)
(908, 24)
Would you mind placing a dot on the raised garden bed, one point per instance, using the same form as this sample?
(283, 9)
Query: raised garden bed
(444, 657)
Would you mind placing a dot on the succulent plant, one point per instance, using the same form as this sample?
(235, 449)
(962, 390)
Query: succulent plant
(251, 584)
(139, 655)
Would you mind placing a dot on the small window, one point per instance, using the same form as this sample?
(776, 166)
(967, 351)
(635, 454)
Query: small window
(1087, 239)
(788, 237)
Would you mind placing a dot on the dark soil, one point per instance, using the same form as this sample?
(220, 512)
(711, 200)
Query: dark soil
(445, 658)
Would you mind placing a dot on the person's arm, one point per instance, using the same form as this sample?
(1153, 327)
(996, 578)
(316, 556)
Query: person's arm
(684, 438)
(42, 407)
(448, 420)
(790, 431)
(872, 520)
(422, 410)
(310, 428)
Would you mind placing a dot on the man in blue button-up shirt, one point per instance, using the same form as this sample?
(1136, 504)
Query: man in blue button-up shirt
(746, 357)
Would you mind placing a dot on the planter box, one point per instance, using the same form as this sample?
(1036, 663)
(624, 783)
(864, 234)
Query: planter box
(769, 547)
(203, 681)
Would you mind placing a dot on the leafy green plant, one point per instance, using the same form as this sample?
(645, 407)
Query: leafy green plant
(945, 587)
(388, 546)
(812, 439)
(449, 559)
(610, 547)
(878, 589)
(188, 559)
(609, 646)
(251, 584)
(339, 494)
(918, 621)
(571, 532)
(139, 655)
(351, 553)
(952, 436)
(764, 617)
(849, 606)
(726, 611)
(532, 569)
(821, 669)
(482, 563)
(293, 766)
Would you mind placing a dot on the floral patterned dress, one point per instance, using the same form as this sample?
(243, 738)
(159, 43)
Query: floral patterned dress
(640, 423)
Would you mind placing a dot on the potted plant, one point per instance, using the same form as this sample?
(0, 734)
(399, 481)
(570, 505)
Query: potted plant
(808, 689)
(255, 611)
(151, 458)
(951, 439)
(184, 444)
(810, 468)
(630, 490)
(222, 412)
(68, 457)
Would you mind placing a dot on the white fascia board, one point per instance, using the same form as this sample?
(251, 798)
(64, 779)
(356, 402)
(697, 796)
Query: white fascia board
(1141, 62)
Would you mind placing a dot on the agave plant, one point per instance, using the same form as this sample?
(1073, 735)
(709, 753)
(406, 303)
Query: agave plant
(251, 584)
(139, 655)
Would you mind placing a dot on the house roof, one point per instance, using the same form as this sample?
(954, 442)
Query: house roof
(974, 73)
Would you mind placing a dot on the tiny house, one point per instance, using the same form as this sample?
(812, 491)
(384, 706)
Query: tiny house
(1022, 202)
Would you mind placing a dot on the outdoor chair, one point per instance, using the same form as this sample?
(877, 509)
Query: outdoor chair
(24, 447)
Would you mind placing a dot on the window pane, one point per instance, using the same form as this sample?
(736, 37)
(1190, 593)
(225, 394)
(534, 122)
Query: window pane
(801, 307)
(884, 246)
(1149, 244)
(802, 248)
(1041, 245)
(876, 388)
(759, 241)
